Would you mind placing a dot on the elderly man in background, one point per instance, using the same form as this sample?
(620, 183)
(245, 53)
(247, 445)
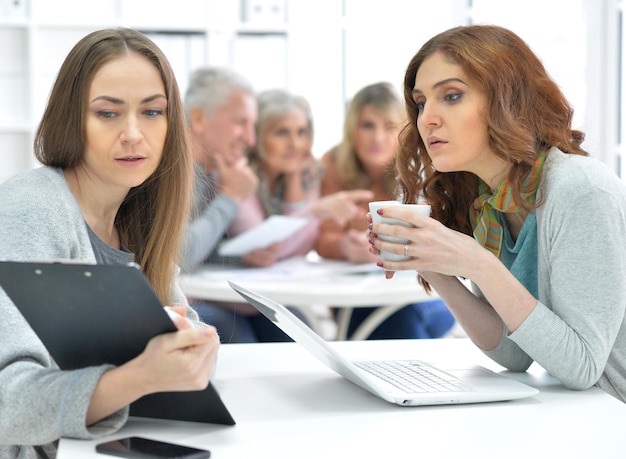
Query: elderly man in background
(221, 111)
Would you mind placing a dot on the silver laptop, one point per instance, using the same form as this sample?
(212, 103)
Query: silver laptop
(403, 382)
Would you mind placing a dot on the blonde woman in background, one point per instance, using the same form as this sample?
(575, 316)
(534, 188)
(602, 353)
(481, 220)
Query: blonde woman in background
(364, 159)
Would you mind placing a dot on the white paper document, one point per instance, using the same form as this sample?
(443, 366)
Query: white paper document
(276, 228)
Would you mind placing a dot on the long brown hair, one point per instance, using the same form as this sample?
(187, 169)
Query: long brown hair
(152, 217)
(526, 113)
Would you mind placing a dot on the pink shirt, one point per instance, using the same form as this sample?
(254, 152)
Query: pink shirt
(251, 214)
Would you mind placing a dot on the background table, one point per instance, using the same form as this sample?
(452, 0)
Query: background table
(288, 405)
(305, 281)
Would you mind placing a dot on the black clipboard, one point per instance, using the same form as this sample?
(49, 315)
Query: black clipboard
(88, 314)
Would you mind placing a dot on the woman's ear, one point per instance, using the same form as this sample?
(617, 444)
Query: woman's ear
(197, 120)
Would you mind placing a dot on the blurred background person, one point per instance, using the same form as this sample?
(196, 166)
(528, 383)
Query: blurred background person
(221, 111)
(364, 159)
(289, 184)
(289, 178)
(288, 175)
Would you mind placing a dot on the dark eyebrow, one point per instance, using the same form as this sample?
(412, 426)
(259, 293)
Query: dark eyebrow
(441, 83)
(116, 101)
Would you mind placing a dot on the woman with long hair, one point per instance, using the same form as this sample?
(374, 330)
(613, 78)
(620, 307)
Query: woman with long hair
(518, 208)
(114, 188)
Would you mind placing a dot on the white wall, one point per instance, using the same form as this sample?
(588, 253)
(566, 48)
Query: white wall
(577, 41)
(326, 50)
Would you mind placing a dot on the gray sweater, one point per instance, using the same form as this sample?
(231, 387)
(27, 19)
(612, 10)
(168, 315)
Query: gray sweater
(577, 332)
(211, 213)
(40, 219)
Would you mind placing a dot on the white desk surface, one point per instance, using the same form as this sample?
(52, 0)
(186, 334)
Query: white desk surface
(288, 405)
(311, 280)
(303, 281)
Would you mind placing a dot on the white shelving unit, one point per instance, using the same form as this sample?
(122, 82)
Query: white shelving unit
(324, 50)
(36, 35)
(309, 47)
(15, 96)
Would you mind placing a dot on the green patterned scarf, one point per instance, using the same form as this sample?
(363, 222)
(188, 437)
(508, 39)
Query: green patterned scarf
(484, 210)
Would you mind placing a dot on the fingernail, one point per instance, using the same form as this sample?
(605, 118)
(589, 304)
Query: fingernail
(371, 241)
(379, 264)
(369, 227)
(379, 211)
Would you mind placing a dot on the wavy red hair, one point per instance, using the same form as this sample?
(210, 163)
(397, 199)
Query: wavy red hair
(526, 113)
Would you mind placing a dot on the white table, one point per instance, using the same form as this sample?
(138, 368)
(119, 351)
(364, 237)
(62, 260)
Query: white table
(306, 281)
(288, 405)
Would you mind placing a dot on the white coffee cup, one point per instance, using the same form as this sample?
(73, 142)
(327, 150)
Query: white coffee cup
(423, 209)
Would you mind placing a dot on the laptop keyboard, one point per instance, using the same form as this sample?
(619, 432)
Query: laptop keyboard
(412, 376)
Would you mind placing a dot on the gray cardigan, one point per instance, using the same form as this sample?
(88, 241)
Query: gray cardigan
(211, 213)
(40, 219)
(577, 332)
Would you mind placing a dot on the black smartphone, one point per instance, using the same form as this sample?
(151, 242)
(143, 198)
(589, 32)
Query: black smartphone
(139, 447)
